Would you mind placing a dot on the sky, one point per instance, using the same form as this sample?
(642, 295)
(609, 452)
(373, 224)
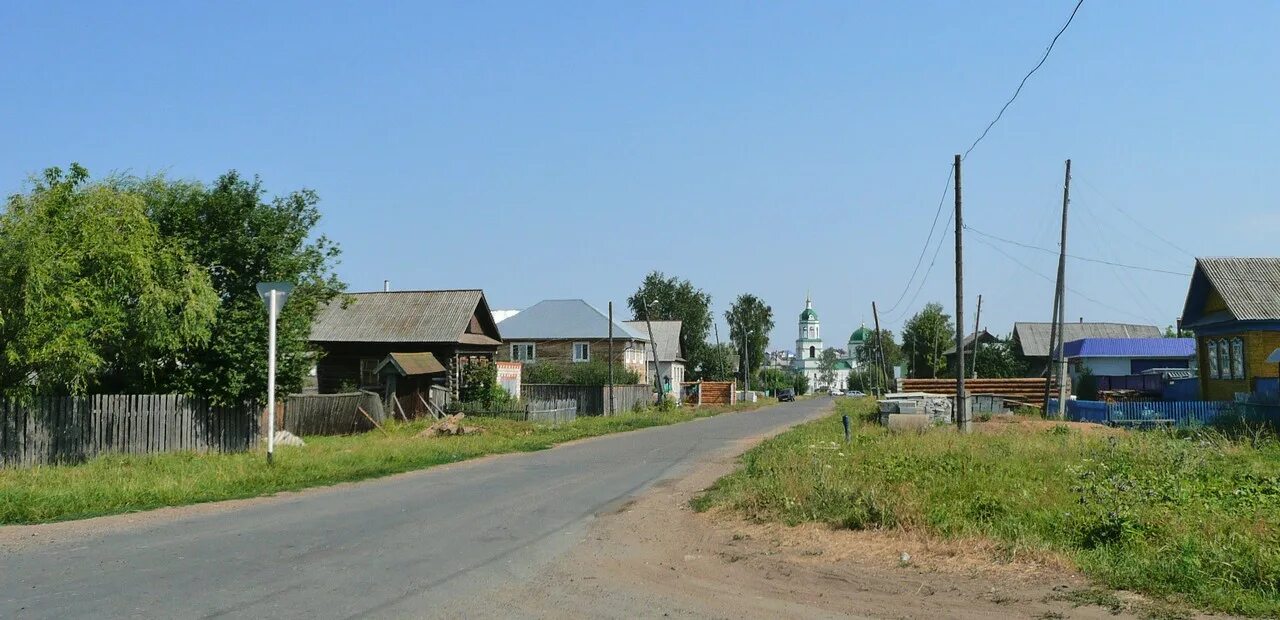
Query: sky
(564, 150)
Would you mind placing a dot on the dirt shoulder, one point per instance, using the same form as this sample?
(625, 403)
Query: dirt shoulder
(656, 557)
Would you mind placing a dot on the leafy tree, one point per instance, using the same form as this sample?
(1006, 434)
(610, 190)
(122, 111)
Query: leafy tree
(925, 337)
(750, 322)
(478, 380)
(867, 356)
(719, 362)
(1171, 332)
(672, 299)
(827, 366)
(243, 237)
(998, 360)
(93, 296)
(801, 384)
(774, 379)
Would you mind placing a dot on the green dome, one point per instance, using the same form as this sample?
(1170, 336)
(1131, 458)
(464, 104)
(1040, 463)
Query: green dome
(861, 335)
(808, 315)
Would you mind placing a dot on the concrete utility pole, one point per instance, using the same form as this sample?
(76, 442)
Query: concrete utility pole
(653, 346)
(875, 317)
(1053, 341)
(977, 318)
(611, 412)
(962, 414)
(274, 295)
(1062, 299)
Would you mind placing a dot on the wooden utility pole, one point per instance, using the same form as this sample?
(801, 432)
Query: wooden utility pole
(977, 319)
(962, 414)
(875, 315)
(1053, 343)
(1062, 298)
(611, 411)
(653, 346)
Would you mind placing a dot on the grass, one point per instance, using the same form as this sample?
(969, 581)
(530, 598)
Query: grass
(1189, 517)
(122, 483)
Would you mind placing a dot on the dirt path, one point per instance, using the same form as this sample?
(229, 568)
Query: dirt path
(655, 557)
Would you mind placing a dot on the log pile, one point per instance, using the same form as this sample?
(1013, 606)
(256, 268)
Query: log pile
(450, 426)
(1024, 391)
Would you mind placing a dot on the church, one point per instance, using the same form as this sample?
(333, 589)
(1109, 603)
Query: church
(808, 359)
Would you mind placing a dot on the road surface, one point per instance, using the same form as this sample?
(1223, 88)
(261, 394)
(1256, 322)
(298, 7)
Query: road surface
(422, 544)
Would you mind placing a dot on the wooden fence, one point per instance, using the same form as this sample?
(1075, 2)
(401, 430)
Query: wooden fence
(331, 414)
(592, 399)
(554, 411)
(71, 429)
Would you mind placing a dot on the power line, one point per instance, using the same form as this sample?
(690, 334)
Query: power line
(1083, 258)
(945, 190)
(936, 250)
(1025, 78)
(1135, 220)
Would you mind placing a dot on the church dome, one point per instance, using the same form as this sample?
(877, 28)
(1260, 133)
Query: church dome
(860, 335)
(808, 315)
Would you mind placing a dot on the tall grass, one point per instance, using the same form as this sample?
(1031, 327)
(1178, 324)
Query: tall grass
(1190, 516)
(122, 483)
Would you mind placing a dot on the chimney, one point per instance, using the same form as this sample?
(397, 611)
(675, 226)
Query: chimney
(386, 286)
(1081, 319)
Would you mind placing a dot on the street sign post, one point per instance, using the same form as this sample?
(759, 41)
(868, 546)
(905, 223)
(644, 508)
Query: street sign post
(273, 294)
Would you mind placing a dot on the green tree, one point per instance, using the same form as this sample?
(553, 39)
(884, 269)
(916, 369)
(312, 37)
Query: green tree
(719, 362)
(93, 296)
(867, 357)
(774, 379)
(672, 299)
(925, 337)
(827, 366)
(801, 384)
(243, 237)
(594, 372)
(750, 322)
(998, 360)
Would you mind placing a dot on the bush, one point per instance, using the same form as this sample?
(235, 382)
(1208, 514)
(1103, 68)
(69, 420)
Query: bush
(1087, 386)
(579, 373)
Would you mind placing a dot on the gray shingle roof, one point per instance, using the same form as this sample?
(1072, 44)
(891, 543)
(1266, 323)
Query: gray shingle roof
(563, 319)
(1034, 337)
(399, 316)
(1249, 286)
(667, 335)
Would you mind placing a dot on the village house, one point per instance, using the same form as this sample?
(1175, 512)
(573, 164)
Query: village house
(1120, 357)
(983, 337)
(570, 331)
(357, 333)
(1233, 307)
(1031, 340)
(666, 339)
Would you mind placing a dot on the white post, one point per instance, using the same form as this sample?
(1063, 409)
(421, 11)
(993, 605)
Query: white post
(271, 376)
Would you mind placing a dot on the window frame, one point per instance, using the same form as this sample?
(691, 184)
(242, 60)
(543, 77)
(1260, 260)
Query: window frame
(587, 354)
(1237, 358)
(1211, 356)
(372, 364)
(531, 349)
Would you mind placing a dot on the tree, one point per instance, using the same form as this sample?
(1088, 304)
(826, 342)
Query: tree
(594, 372)
(774, 379)
(801, 383)
(999, 360)
(242, 237)
(827, 366)
(868, 359)
(925, 337)
(672, 299)
(720, 362)
(750, 322)
(1171, 332)
(93, 296)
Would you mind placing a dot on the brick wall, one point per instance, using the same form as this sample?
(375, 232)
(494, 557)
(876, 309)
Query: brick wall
(562, 351)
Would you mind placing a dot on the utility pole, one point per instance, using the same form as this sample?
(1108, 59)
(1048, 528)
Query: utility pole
(611, 412)
(1053, 341)
(977, 319)
(653, 346)
(962, 414)
(746, 362)
(875, 316)
(719, 357)
(1062, 298)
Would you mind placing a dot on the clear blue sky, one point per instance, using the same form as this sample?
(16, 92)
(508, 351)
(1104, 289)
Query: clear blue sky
(550, 150)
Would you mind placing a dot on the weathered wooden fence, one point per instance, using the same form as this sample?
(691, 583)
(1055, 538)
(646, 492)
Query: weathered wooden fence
(554, 411)
(331, 414)
(592, 399)
(71, 429)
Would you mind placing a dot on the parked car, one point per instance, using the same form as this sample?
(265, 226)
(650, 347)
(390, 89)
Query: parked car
(856, 394)
(837, 392)
(787, 395)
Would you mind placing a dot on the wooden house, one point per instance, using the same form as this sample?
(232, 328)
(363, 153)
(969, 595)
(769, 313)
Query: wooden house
(570, 331)
(1031, 340)
(1233, 307)
(356, 334)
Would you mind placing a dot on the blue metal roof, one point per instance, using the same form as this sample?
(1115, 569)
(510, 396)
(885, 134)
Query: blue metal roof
(1131, 347)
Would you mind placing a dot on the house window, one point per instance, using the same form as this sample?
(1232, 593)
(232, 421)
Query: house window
(581, 351)
(1237, 358)
(1212, 355)
(368, 372)
(523, 352)
(1224, 359)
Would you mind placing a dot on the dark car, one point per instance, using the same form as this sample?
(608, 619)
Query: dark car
(786, 396)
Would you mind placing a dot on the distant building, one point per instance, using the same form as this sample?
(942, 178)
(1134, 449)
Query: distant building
(671, 362)
(808, 359)
(571, 331)
(1031, 340)
(1119, 357)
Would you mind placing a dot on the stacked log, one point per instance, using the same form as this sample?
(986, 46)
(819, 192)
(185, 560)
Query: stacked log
(1024, 391)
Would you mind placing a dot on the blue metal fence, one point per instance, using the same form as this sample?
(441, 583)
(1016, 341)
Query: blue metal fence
(1176, 413)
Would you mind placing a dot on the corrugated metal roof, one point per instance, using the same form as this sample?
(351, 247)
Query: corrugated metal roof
(986, 336)
(1034, 337)
(399, 316)
(564, 319)
(1131, 347)
(667, 337)
(1249, 286)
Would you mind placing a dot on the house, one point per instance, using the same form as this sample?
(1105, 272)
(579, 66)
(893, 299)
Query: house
(1233, 307)
(357, 332)
(1122, 357)
(666, 339)
(983, 337)
(570, 331)
(1031, 340)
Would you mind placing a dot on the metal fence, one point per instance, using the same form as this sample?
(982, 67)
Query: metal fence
(331, 414)
(591, 399)
(71, 429)
(554, 411)
(1175, 413)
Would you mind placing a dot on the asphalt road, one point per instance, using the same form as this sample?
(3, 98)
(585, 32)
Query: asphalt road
(413, 545)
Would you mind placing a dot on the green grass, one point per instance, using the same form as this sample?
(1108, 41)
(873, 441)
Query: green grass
(1191, 517)
(121, 483)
